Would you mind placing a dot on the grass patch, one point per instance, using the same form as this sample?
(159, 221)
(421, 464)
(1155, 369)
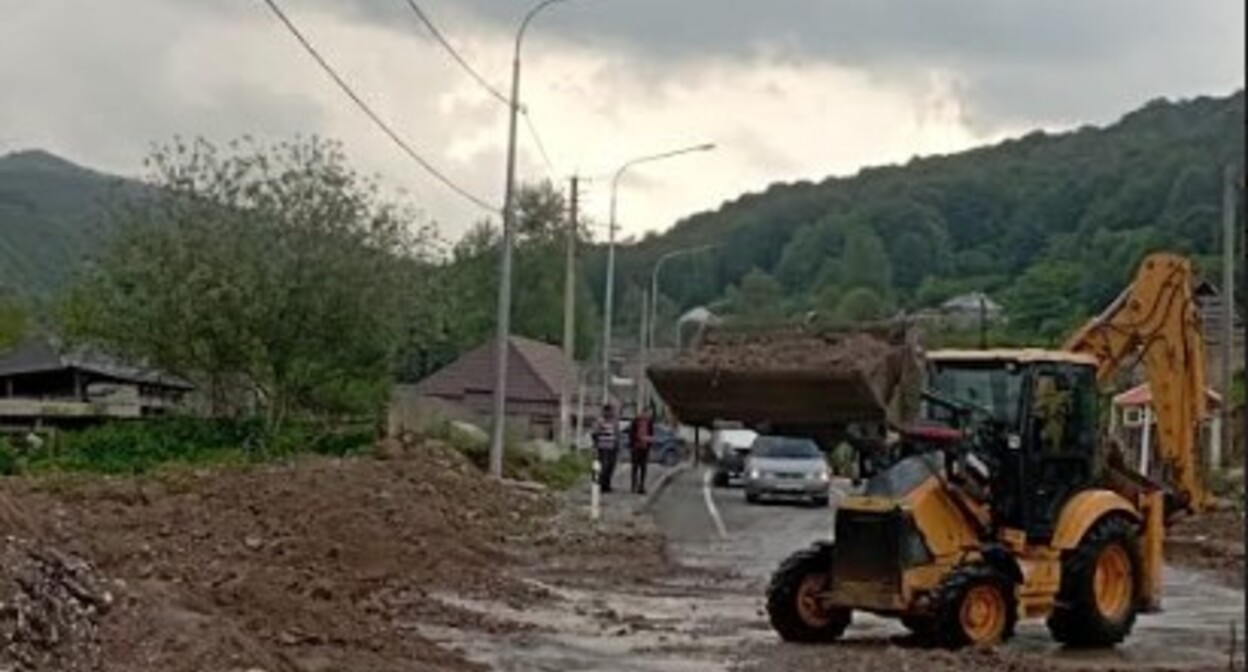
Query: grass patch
(563, 473)
(141, 447)
(518, 463)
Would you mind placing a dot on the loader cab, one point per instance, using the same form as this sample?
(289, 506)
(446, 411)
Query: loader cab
(1040, 409)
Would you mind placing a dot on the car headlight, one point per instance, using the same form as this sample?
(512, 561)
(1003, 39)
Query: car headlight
(822, 476)
(755, 474)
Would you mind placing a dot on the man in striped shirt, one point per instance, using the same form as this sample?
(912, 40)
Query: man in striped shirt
(606, 436)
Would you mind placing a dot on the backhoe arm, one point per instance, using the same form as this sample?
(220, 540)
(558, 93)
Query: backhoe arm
(1155, 320)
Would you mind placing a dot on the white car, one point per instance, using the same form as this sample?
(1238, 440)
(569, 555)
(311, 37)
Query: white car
(731, 447)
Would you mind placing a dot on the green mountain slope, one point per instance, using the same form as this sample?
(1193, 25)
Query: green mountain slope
(51, 218)
(1051, 224)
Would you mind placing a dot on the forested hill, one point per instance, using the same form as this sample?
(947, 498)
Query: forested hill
(50, 219)
(1051, 225)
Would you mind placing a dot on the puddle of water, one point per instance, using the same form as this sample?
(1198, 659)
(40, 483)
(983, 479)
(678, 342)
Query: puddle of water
(610, 631)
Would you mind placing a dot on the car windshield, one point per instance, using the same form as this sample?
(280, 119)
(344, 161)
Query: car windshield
(785, 448)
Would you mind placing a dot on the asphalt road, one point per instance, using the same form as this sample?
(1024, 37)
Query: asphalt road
(714, 621)
(1194, 627)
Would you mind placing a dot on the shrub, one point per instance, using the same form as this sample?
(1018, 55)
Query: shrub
(8, 457)
(138, 447)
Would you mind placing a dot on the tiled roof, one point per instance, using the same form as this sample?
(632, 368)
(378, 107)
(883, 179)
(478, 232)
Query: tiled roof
(535, 370)
(1141, 395)
(41, 355)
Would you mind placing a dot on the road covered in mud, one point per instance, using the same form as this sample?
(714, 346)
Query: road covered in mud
(1193, 632)
(701, 606)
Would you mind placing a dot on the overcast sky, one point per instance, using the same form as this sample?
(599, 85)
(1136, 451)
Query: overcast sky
(789, 89)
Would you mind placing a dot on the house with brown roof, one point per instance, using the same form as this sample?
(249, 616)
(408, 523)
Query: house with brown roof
(464, 390)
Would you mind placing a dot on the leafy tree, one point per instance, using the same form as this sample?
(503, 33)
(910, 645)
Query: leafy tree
(861, 304)
(13, 320)
(468, 284)
(759, 297)
(866, 262)
(1044, 301)
(807, 253)
(275, 267)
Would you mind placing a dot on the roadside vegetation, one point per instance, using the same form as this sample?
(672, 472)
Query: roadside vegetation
(519, 462)
(137, 448)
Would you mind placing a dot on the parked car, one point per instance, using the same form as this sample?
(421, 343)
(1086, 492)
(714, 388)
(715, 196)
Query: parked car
(668, 448)
(731, 447)
(787, 467)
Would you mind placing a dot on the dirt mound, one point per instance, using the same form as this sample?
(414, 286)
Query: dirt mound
(794, 348)
(324, 564)
(795, 377)
(50, 610)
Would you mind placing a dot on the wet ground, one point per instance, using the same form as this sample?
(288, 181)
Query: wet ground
(710, 617)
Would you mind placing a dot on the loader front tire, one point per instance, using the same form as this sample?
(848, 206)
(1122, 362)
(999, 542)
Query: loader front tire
(795, 603)
(976, 606)
(1099, 597)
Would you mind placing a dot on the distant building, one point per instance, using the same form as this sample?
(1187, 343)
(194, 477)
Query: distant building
(43, 384)
(1133, 422)
(1212, 318)
(464, 390)
(966, 310)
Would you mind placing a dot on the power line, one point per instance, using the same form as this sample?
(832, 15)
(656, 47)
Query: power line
(368, 111)
(438, 35)
(537, 140)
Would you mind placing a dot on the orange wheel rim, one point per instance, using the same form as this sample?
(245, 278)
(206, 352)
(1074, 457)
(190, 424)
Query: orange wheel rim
(808, 601)
(983, 614)
(1114, 583)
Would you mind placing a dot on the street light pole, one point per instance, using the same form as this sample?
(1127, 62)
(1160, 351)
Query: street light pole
(498, 431)
(648, 342)
(609, 292)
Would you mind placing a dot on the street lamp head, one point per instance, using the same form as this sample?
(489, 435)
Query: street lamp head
(706, 147)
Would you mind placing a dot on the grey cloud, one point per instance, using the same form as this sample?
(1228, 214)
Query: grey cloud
(104, 91)
(1022, 61)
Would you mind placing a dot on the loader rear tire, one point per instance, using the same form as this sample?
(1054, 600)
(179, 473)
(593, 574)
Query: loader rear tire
(1099, 597)
(794, 604)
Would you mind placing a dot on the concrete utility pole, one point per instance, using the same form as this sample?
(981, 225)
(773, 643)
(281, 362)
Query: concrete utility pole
(641, 357)
(1223, 446)
(609, 292)
(569, 319)
(648, 337)
(499, 416)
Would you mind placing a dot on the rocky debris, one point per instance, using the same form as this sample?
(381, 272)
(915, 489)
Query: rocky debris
(51, 609)
(795, 348)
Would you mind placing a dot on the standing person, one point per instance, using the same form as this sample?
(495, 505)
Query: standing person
(641, 437)
(607, 441)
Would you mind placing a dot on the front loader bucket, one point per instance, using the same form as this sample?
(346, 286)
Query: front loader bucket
(793, 380)
(780, 398)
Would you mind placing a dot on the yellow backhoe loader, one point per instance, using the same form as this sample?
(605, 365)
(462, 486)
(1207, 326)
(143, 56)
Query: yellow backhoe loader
(1002, 504)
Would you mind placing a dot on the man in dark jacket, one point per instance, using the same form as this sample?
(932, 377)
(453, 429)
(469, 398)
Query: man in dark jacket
(640, 438)
(606, 437)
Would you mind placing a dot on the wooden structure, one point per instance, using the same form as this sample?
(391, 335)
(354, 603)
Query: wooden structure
(43, 384)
